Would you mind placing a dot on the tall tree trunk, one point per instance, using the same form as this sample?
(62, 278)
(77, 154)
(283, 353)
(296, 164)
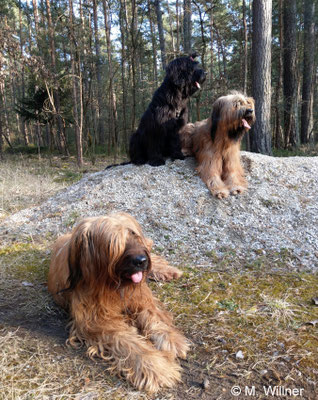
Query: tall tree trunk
(308, 71)
(187, 28)
(5, 133)
(161, 34)
(123, 28)
(290, 74)
(154, 48)
(211, 40)
(134, 44)
(203, 51)
(245, 67)
(245, 58)
(178, 26)
(36, 19)
(261, 75)
(23, 125)
(112, 101)
(100, 126)
(56, 97)
(221, 51)
(171, 31)
(278, 128)
(77, 122)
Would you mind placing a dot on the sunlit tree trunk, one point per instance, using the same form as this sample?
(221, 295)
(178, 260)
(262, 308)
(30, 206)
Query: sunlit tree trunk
(100, 126)
(77, 122)
(112, 101)
(290, 73)
(261, 75)
(56, 97)
(161, 34)
(187, 26)
(308, 72)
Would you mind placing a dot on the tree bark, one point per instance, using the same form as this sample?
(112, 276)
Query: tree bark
(100, 125)
(112, 101)
(23, 127)
(278, 136)
(290, 74)
(77, 122)
(123, 27)
(178, 26)
(308, 72)
(161, 34)
(171, 30)
(56, 97)
(187, 27)
(245, 58)
(261, 75)
(154, 48)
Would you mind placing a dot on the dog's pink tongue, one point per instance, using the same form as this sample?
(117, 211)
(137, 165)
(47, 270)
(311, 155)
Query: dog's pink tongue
(198, 85)
(137, 277)
(246, 124)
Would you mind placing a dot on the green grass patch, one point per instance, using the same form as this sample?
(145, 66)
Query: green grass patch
(25, 261)
(253, 311)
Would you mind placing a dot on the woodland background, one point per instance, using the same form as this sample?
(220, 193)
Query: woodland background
(76, 75)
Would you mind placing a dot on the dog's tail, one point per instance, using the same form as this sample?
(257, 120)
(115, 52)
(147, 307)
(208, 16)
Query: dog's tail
(118, 165)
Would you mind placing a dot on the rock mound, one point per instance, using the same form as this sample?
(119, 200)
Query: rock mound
(277, 215)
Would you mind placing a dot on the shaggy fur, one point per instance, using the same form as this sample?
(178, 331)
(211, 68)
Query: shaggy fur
(98, 273)
(215, 143)
(157, 135)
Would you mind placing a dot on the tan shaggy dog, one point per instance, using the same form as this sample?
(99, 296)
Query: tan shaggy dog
(98, 273)
(215, 143)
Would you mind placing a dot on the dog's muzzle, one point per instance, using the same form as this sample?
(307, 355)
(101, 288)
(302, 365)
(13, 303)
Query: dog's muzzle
(139, 264)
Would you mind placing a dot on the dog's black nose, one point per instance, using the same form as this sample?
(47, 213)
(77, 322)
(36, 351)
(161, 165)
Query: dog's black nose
(249, 111)
(140, 261)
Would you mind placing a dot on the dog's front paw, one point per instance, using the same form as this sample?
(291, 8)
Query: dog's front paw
(170, 341)
(156, 162)
(177, 156)
(155, 372)
(168, 274)
(237, 190)
(220, 193)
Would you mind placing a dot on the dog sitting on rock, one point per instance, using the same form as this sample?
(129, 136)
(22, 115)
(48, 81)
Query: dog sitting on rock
(157, 135)
(215, 143)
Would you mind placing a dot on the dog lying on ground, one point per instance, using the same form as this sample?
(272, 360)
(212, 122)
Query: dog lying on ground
(98, 273)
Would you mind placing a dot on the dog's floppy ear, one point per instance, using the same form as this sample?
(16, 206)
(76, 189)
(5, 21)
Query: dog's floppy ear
(176, 72)
(216, 111)
(149, 243)
(80, 255)
(75, 256)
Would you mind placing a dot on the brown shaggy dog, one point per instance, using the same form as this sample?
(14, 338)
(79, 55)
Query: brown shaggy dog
(215, 143)
(98, 273)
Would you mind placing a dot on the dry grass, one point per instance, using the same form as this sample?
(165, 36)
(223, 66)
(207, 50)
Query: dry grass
(33, 369)
(26, 180)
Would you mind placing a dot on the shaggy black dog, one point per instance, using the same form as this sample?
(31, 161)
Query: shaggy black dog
(157, 135)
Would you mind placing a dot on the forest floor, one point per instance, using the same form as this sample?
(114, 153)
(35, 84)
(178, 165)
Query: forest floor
(252, 324)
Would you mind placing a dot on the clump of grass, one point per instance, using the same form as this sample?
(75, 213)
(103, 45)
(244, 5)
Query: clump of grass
(252, 311)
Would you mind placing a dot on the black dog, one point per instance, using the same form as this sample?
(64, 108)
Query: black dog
(157, 135)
